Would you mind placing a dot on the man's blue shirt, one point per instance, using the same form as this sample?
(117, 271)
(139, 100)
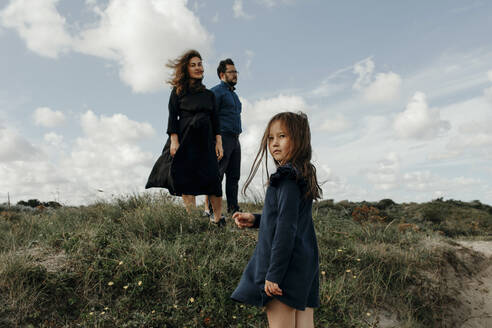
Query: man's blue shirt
(228, 107)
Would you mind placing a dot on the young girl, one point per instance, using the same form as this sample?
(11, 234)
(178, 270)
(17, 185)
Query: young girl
(283, 273)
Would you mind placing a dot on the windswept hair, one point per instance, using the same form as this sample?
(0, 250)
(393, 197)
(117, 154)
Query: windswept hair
(180, 78)
(297, 127)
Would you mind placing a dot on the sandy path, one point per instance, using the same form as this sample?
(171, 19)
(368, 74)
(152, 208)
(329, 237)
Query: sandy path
(478, 291)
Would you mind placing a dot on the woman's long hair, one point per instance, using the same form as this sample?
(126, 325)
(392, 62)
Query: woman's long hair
(297, 127)
(180, 78)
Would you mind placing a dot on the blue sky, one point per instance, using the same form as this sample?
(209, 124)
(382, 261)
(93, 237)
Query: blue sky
(399, 95)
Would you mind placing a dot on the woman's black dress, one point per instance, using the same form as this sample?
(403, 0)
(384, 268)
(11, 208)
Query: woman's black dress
(194, 170)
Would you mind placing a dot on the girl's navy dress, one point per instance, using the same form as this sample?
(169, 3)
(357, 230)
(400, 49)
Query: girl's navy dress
(287, 250)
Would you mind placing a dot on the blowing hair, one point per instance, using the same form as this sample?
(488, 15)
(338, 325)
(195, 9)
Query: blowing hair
(223, 65)
(298, 130)
(180, 78)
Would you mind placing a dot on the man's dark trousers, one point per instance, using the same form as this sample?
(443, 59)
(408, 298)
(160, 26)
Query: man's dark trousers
(230, 165)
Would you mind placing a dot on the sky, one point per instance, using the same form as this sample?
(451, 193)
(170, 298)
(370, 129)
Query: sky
(398, 94)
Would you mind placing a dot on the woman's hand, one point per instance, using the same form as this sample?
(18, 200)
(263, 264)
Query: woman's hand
(219, 151)
(272, 288)
(244, 220)
(174, 144)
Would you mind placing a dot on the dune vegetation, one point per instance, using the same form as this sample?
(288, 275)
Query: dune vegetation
(142, 261)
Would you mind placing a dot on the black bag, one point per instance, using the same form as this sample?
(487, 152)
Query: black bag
(161, 176)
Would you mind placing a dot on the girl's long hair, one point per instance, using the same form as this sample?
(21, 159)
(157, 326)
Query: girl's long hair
(180, 78)
(297, 127)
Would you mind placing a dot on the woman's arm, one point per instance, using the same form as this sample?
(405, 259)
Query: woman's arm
(172, 122)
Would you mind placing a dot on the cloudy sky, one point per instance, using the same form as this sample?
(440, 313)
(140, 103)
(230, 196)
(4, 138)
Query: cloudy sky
(399, 94)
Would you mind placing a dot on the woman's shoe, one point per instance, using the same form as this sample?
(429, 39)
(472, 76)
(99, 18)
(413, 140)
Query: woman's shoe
(220, 223)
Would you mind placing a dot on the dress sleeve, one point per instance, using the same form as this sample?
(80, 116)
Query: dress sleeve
(172, 121)
(289, 198)
(215, 116)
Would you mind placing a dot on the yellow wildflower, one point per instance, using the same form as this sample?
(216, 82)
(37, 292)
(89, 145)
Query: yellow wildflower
(339, 250)
(102, 312)
(192, 299)
(348, 270)
(110, 283)
(358, 260)
(106, 308)
(355, 277)
(125, 287)
(323, 273)
(121, 263)
(140, 283)
(91, 313)
(368, 314)
(153, 311)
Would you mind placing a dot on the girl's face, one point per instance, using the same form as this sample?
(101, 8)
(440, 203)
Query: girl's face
(279, 142)
(195, 68)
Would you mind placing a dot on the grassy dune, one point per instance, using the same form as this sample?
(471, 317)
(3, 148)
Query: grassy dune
(143, 261)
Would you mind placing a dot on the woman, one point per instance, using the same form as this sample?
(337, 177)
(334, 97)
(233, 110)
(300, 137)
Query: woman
(194, 146)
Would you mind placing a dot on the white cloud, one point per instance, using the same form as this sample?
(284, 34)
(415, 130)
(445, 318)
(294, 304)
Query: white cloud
(14, 147)
(489, 75)
(474, 134)
(249, 59)
(364, 69)
(386, 175)
(238, 10)
(418, 121)
(425, 181)
(106, 156)
(53, 139)
(46, 117)
(273, 3)
(487, 93)
(114, 129)
(385, 87)
(39, 25)
(141, 36)
(215, 19)
(263, 109)
(336, 124)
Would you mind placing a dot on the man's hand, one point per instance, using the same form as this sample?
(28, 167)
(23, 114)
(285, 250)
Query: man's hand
(272, 288)
(219, 151)
(244, 220)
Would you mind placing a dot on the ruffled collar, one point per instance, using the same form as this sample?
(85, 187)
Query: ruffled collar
(287, 171)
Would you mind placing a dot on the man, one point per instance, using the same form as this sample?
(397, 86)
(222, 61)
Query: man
(229, 109)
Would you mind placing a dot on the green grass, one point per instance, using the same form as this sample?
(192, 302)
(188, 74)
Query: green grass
(142, 261)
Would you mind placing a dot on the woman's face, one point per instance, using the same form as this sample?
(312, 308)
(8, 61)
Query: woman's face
(195, 68)
(279, 143)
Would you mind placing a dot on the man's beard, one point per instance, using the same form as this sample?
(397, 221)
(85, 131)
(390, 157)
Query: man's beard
(231, 83)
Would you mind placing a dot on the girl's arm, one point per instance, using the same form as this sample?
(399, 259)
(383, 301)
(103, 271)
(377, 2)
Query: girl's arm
(289, 198)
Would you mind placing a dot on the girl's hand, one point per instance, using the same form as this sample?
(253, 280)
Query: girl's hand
(272, 288)
(244, 219)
